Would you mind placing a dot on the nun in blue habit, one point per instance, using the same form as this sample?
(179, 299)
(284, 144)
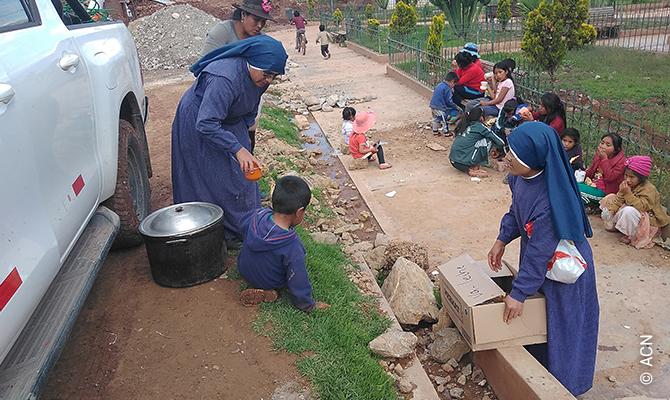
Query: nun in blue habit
(546, 207)
(211, 149)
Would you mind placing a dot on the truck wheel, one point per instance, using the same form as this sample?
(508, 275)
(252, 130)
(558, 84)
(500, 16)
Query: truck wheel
(132, 197)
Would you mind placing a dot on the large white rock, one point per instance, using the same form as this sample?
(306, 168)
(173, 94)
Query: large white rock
(409, 292)
(394, 343)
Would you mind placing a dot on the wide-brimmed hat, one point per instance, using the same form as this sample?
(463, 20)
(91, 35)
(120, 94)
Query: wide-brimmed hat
(259, 8)
(471, 48)
(364, 121)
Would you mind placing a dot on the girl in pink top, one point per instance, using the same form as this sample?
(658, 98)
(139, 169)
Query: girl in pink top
(502, 85)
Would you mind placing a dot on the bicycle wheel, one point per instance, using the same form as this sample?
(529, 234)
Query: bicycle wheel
(303, 43)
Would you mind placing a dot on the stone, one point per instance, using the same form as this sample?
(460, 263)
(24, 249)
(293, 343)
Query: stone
(324, 237)
(456, 393)
(448, 345)
(467, 370)
(447, 368)
(443, 320)
(408, 250)
(339, 175)
(341, 103)
(332, 100)
(301, 122)
(362, 247)
(405, 385)
(436, 147)
(611, 378)
(369, 97)
(453, 362)
(363, 216)
(482, 383)
(381, 239)
(461, 380)
(409, 292)
(359, 163)
(399, 369)
(394, 343)
(440, 380)
(315, 107)
(326, 108)
(375, 258)
(312, 101)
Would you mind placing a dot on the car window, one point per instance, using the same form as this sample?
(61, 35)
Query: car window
(15, 14)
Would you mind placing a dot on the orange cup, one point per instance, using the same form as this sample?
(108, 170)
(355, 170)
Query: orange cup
(256, 173)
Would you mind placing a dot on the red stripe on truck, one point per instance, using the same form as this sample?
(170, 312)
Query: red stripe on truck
(9, 286)
(78, 185)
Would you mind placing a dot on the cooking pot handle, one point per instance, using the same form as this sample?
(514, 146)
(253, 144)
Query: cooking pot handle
(176, 242)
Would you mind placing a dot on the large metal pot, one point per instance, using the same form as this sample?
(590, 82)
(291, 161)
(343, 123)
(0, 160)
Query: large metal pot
(185, 243)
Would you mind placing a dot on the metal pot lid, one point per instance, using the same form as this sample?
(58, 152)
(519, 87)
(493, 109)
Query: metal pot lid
(181, 219)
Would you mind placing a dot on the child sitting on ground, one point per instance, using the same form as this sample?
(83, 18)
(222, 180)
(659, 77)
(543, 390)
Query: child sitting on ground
(323, 37)
(552, 112)
(570, 139)
(272, 255)
(636, 209)
(359, 145)
(605, 172)
(348, 115)
(473, 143)
(442, 105)
(501, 88)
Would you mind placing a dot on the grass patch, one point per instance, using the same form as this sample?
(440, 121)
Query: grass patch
(333, 343)
(277, 120)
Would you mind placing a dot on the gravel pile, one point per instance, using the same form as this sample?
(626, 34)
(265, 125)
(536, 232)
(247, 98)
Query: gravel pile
(171, 37)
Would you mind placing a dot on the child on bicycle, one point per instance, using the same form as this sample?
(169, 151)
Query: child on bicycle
(299, 23)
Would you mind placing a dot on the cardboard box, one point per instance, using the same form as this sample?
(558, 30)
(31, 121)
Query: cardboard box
(465, 284)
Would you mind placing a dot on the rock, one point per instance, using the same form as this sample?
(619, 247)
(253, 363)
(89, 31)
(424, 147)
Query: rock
(408, 250)
(399, 369)
(453, 362)
(381, 239)
(312, 101)
(341, 103)
(440, 380)
(325, 182)
(339, 175)
(369, 97)
(461, 380)
(175, 15)
(324, 237)
(332, 100)
(443, 320)
(362, 247)
(409, 292)
(394, 343)
(467, 370)
(315, 107)
(611, 378)
(301, 122)
(436, 147)
(482, 383)
(346, 237)
(405, 385)
(359, 163)
(447, 368)
(477, 374)
(375, 258)
(363, 216)
(447, 346)
(456, 393)
(326, 108)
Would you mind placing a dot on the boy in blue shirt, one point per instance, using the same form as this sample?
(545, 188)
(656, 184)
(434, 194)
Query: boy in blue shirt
(442, 105)
(272, 254)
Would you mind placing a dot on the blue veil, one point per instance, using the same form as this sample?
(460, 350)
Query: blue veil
(260, 51)
(540, 148)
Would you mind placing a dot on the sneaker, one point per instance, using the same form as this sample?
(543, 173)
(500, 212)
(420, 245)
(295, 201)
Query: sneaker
(506, 180)
(327, 58)
(233, 244)
(372, 158)
(385, 166)
(254, 297)
(437, 133)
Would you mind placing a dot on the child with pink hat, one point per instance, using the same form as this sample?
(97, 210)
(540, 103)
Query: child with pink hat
(636, 209)
(360, 146)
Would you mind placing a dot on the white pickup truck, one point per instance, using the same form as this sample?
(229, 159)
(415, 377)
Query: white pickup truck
(75, 171)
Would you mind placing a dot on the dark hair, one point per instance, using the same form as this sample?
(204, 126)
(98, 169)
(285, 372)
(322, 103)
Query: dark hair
(471, 116)
(506, 65)
(510, 106)
(237, 15)
(641, 178)
(296, 13)
(348, 112)
(571, 133)
(617, 142)
(451, 76)
(463, 59)
(322, 27)
(554, 106)
(291, 193)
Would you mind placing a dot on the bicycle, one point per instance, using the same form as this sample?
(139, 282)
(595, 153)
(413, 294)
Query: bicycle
(302, 43)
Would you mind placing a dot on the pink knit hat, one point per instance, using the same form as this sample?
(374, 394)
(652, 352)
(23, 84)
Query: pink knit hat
(640, 164)
(364, 121)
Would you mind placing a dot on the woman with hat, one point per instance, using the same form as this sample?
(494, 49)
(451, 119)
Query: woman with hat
(211, 149)
(248, 20)
(547, 207)
(636, 209)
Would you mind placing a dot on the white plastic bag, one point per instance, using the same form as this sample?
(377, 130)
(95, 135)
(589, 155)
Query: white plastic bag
(580, 176)
(567, 264)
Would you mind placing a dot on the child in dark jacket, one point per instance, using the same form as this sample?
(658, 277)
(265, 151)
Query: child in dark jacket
(272, 255)
(570, 139)
(442, 105)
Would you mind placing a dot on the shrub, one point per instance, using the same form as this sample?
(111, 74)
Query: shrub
(373, 24)
(403, 20)
(504, 13)
(434, 46)
(337, 15)
(369, 11)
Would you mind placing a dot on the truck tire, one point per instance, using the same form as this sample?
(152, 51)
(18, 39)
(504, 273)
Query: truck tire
(132, 198)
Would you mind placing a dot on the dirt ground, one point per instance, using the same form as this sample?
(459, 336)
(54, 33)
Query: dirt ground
(134, 339)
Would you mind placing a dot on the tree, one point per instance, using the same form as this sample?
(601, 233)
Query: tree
(369, 11)
(503, 12)
(434, 46)
(310, 7)
(461, 14)
(549, 30)
(403, 20)
(337, 16)
(382, 4)
(373, 24)
(577, 33)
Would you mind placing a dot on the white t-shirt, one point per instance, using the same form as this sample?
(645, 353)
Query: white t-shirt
(510, 93)
(347, 129)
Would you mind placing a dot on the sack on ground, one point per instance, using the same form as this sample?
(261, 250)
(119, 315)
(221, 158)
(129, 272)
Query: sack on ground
(567, 264)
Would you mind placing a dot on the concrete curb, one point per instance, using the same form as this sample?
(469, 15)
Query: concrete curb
(424, 389)
(364, 51)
